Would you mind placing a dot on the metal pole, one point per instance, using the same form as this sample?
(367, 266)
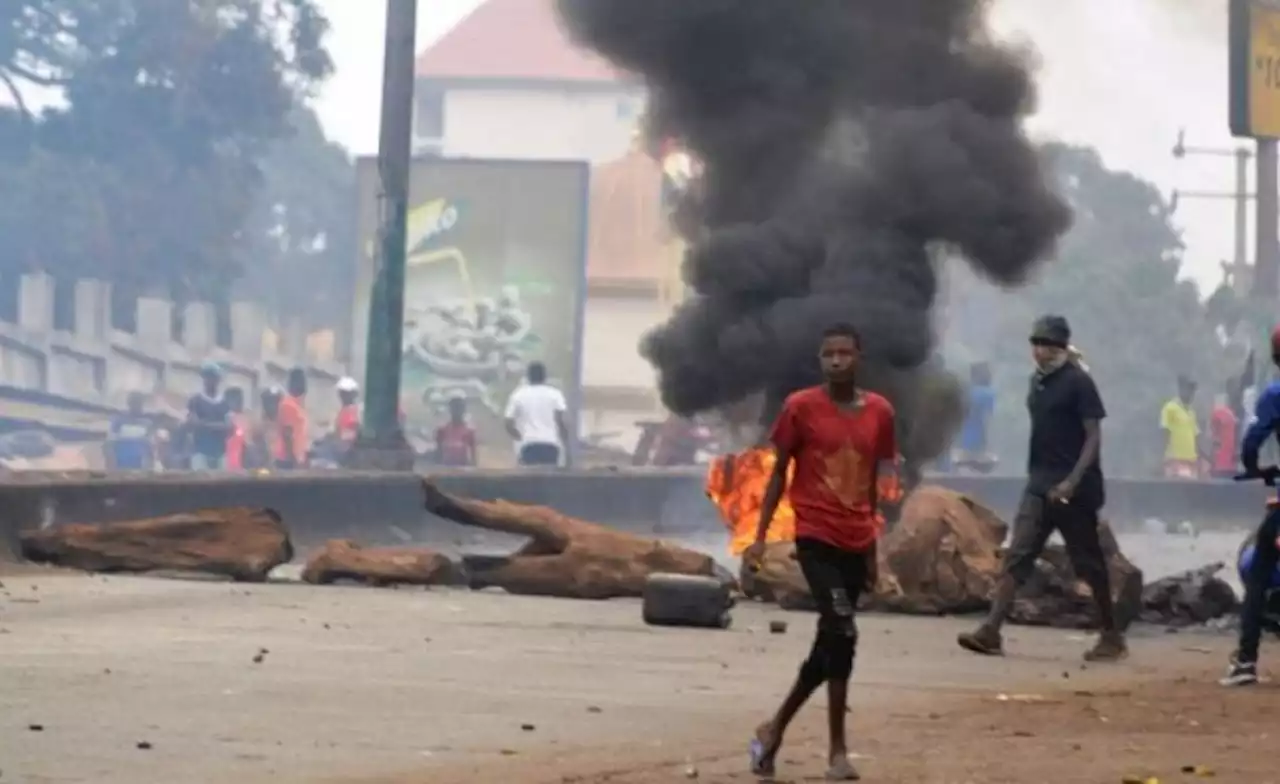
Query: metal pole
(380, 426)
(1241, 260)
(1266, 274)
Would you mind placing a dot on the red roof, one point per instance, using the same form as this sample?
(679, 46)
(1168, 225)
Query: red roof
(513, 39)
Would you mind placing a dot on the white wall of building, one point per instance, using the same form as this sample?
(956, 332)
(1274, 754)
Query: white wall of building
(613, 328)
(537, 124)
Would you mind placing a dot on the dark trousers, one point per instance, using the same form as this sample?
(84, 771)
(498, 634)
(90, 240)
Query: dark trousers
(1257, 584)
(1077, 521)
(836, 580)
(540, 455)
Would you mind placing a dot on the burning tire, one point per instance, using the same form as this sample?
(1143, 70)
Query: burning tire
(686, 600)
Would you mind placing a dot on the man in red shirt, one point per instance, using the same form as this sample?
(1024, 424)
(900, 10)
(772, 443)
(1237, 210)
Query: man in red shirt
(456, 441)
(1223, 426)
(841, 438)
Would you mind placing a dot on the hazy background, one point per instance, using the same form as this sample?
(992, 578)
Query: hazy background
(1119, 76)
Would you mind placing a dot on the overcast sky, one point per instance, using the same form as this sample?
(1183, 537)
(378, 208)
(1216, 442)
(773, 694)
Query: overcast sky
(1120, 75)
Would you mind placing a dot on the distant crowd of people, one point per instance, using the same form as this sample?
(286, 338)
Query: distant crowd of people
(220, 431)
(1191, 452)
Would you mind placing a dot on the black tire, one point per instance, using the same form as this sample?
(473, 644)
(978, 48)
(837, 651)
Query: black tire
(687, 600)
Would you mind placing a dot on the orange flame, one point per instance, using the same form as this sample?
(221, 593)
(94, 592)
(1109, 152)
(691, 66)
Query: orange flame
(736, 485)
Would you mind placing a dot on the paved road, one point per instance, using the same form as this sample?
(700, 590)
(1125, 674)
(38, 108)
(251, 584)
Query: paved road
(357, 684)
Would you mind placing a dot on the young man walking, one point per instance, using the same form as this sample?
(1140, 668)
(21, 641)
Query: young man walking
(1243, 669)
(1064, 492)
(536, 419)
(840, 438)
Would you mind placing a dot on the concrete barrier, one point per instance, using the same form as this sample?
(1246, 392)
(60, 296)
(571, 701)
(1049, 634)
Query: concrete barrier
(382, 507)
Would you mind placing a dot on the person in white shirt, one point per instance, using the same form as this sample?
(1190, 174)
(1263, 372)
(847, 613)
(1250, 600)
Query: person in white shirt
(536, 419)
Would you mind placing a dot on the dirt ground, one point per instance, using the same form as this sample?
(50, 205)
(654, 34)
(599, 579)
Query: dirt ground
(109, 680)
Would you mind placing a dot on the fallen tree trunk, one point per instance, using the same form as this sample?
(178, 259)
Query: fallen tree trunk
(241, 543)
(565, 556)
(341, 559)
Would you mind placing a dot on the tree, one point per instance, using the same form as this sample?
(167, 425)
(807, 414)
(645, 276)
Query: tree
(1116, 277)
(300, 248)
(169, 107)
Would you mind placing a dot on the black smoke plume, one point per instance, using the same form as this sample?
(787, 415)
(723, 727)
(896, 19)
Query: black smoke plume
(848, 147)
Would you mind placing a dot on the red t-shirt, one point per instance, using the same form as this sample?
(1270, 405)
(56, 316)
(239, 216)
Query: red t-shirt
(1222, 424)
(347, 424)
(236, 440)
(836, 452)
(456, 444)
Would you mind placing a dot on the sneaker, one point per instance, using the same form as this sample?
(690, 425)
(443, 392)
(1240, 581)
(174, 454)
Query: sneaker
(984, 640)
(1240, 674)
(1111, 647)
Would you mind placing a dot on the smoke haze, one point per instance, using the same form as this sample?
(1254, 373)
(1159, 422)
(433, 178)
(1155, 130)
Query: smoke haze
(846, 146)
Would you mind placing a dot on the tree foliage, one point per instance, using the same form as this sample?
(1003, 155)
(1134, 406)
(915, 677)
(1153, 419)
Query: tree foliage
(147, 169)
(1117, 279)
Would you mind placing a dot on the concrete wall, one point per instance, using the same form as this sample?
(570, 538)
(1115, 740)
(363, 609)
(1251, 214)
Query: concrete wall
(387, 508)
(96, 364)
(594, 125)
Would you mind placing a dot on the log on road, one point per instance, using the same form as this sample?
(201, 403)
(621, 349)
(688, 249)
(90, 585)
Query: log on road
(564, 557)
(242, 543)
(341, 559)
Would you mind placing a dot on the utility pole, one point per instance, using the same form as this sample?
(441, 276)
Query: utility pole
(1266, 275)
(382, 444)
(1237, 271)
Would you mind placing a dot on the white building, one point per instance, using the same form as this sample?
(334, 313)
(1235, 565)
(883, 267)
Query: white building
(507, 82)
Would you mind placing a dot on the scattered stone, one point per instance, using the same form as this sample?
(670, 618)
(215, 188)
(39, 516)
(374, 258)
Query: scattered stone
(594, 709)
(260, 655)
(241, 542)
(1192, 598)
(144, 745)
(778, 627)
(528, 727)
(36, 727)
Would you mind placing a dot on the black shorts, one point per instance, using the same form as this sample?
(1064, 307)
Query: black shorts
(836, 580)
(1037, 519)
(540, 455)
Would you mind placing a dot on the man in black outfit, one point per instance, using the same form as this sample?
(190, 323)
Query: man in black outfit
(1064, 492)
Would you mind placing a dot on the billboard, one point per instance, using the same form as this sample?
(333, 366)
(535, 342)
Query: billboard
(495, 278)
(1254, 68)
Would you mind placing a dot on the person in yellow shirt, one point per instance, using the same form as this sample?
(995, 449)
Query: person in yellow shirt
(1182, 433)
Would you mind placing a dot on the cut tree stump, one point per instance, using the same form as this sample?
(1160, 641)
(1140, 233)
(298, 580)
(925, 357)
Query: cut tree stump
(941, 557)
(944, 557)
(242, 543)
(564, 557)
(342, 559)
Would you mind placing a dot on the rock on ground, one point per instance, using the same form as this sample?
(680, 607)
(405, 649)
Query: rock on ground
(241, 543)
(1054, 596)
(1190, 598)
(944, 557)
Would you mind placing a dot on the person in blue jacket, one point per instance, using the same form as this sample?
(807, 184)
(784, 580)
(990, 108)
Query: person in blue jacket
(1243, 669)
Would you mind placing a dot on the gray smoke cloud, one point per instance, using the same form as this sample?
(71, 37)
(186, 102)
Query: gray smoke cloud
(848, 148)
